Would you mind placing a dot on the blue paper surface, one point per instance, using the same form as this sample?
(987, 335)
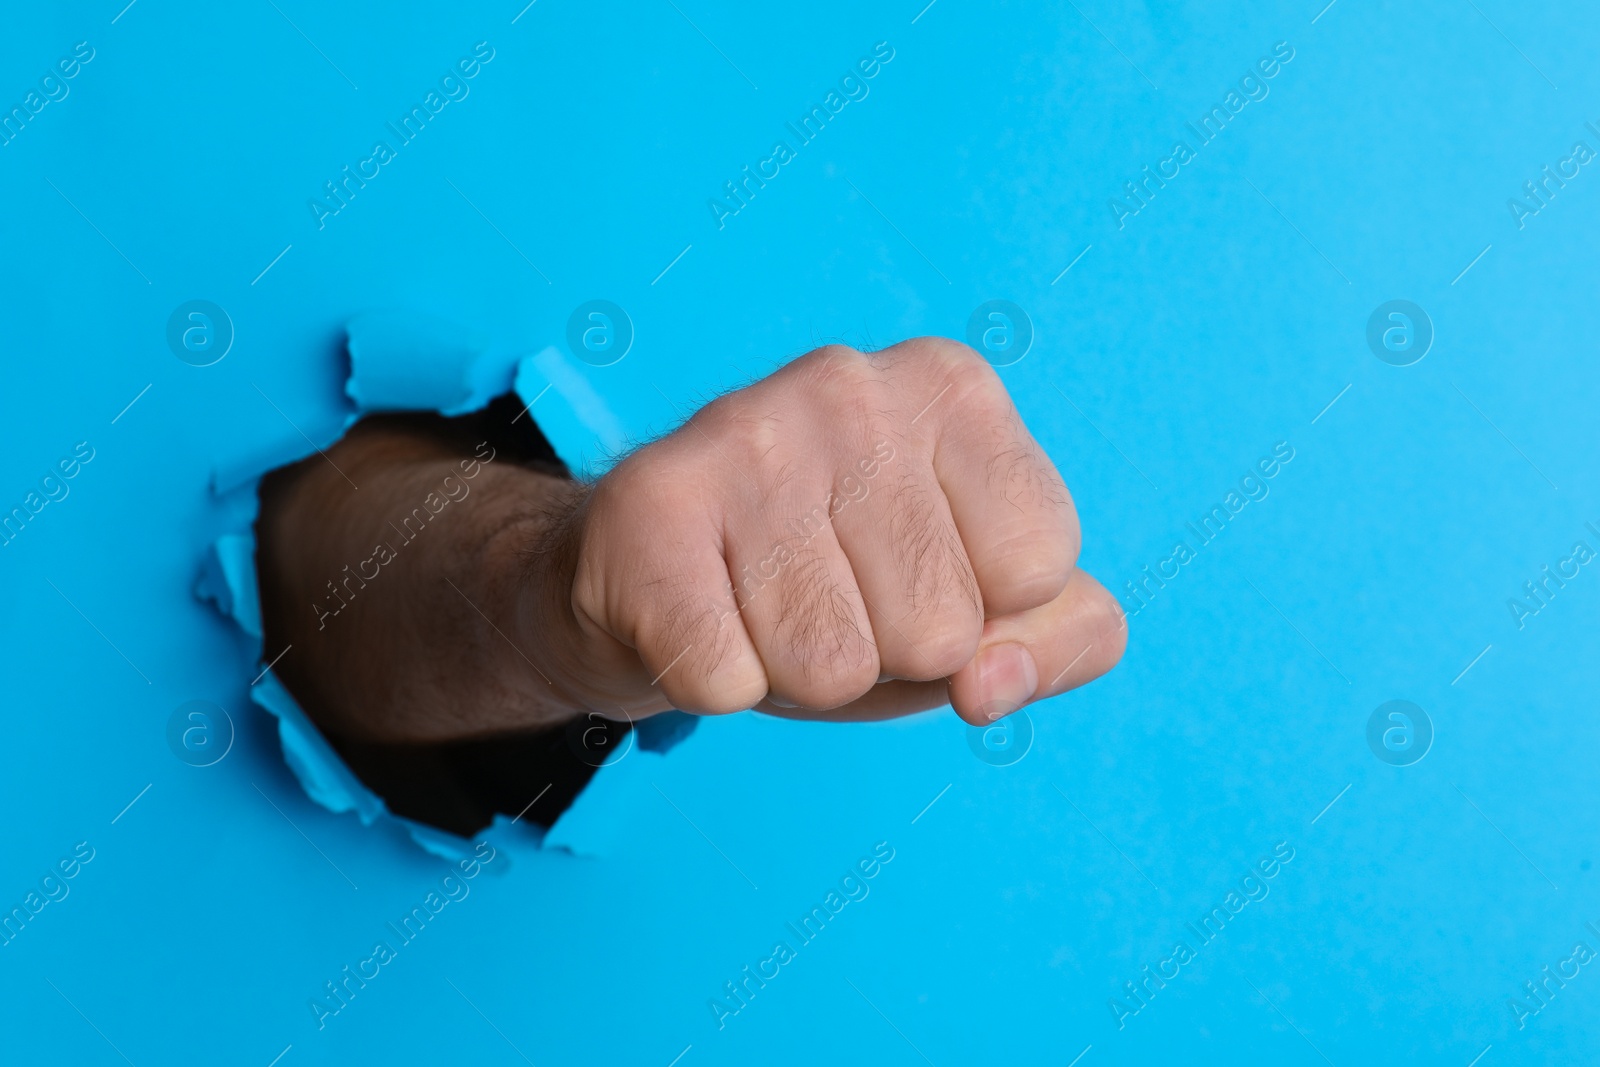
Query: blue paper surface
(1186, 320)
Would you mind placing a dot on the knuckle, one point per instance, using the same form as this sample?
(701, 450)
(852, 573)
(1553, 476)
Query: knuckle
(942, 618)
(941, 350)
(677, 627)
(1019, 471)
(844, 381)
(937, 367)
(960, 357)
(744, 436)
(1032, 537)
(696, 659)
(833, 358)
(833, 657)
(954, 361)
(737, 437)
(929, 555)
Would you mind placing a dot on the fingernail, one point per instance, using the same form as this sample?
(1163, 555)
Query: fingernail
(1007, 679)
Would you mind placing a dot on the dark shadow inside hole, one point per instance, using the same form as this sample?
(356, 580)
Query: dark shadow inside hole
(461, 785)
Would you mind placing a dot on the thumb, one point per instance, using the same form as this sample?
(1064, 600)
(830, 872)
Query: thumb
(1034, 654)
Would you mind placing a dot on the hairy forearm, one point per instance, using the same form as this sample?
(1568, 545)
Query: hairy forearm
(413, 606)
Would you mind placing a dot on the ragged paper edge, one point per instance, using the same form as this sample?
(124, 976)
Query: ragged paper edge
(417, 362)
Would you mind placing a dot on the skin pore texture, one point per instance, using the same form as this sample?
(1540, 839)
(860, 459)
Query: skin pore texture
(857, 536)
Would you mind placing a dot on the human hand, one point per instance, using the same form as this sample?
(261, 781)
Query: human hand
(854, 537)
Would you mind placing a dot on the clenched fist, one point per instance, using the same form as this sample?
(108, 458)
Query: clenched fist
(837, 541)
(856, 536)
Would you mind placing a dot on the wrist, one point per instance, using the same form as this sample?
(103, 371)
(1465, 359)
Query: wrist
(583, 666)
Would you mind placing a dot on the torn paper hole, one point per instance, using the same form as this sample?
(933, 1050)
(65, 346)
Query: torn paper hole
(399, 362)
